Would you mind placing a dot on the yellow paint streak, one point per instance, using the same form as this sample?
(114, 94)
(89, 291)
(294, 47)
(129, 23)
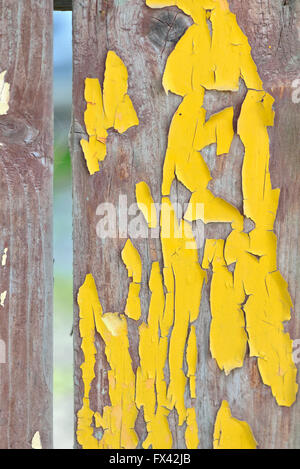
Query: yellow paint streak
(4, 94)
(151, 389)
(115, 109)
(146, 204)
(89, 307)
(192, 358)
(231, 433)
(133, 263)
(180, 260)
(95, 148)
(118, 419)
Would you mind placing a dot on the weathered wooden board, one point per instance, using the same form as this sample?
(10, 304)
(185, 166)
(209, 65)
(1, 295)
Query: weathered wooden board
(26, 156)
(144, 38)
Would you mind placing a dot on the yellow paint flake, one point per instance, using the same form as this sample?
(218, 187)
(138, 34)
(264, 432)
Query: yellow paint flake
(36, 441)
(145, 203)
(133, 263)
(95, 148)
(115, 109)
(231, 433)
(228, 338)
(4, 94)
(119, 110)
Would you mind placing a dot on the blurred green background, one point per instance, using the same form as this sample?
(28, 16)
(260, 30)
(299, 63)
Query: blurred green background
(63, 297)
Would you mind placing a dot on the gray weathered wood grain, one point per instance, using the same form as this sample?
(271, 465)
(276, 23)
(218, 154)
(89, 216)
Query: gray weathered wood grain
(26, 156)
(144, 38)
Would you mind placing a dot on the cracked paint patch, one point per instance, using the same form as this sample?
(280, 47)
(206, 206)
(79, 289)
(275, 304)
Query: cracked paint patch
(218, 60)
(36, 441)
(231, 433)
(118, 419)
(113, 109)
(228, 338)
(4, 94)
(151, 386)
(248, 305)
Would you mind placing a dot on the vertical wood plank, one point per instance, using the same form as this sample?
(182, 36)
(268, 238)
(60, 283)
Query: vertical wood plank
(26, 157)
(144, 38)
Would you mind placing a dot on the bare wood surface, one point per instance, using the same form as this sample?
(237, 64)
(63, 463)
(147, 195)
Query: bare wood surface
(144, 38)
(26, 155)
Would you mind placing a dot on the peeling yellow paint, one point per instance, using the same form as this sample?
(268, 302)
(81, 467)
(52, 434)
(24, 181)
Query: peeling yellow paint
(36, 441)
(228, 338)
(146, 204)
(4, 94)
(248, 305)
(89, 307)
(95, 148)
(231, 433)
(117, 420)
(218, 60)
(119, 110)
(180, 261)
(115, 109)
(191, 433)
(151, 387)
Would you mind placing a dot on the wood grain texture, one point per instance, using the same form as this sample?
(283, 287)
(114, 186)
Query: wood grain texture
(144, 38)
(26, 157)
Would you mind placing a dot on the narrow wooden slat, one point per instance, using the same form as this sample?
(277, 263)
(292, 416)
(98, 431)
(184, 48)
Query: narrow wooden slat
(144, 38)
(26, 157)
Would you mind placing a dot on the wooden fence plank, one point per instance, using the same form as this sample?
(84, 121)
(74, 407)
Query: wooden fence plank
(26, 159)
(144, 38)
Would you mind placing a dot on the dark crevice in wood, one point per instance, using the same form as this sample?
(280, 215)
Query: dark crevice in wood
(63, 5)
